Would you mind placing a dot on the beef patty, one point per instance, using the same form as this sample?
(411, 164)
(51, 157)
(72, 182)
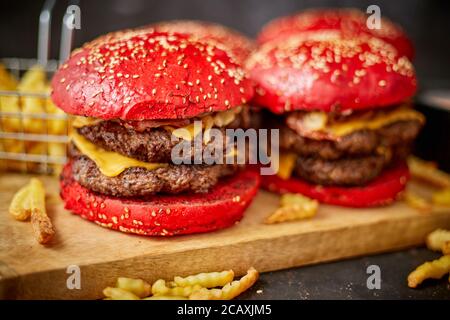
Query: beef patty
(359, 143)
(349, 171)
(150, 145)
(343, 172)
(140, 182)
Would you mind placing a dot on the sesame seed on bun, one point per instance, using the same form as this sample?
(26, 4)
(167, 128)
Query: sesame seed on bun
(240, 46)
(137, 75)
(348, 21)
(332, 73)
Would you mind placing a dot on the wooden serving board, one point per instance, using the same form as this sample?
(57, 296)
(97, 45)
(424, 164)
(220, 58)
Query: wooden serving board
(29, 270)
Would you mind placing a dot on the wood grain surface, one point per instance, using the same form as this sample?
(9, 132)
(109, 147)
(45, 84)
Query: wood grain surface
(31, 271)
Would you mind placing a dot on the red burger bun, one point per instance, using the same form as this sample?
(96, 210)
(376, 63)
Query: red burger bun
(164, 215)
(350, 22)
(381, 191)
(238, 44)
(139, 75)
(330, 73)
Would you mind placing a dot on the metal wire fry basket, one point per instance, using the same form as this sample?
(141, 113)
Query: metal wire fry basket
(33, 132)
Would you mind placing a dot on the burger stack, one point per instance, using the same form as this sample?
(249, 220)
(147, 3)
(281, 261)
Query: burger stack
(340, 95)
(135, 95)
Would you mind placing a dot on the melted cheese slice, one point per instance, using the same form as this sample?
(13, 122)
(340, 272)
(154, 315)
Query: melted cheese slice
(286, 164)
(378, 121)
(109, 163)
(316, 124)
(79, 121)
(189, 132)
(220, 119)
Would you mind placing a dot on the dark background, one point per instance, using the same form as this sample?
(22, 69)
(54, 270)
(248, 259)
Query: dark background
(426, 22)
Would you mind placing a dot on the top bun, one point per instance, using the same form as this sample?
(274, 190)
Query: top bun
(350, 22)
(237, 43)
(138, 75)
(330, 74)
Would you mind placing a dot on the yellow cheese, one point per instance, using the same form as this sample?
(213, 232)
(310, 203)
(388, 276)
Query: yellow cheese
(79, 122)
(380, 120)
(286, 164)
(220, 119)
(109, 163)
(187, 132)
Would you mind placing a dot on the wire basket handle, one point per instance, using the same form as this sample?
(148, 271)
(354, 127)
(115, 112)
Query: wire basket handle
(45, 19)
(67, 29)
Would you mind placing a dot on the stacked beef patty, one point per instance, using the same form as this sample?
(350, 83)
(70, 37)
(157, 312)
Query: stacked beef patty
(349, 160)
(152, 143)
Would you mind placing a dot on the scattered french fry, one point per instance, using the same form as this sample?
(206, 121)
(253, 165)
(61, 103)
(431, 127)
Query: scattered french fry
(435, 269)
(428, 172)
(42, 226)
(160, 288)
(437, 239)
(293, 207)
(138, 287)
(417, 202)
(207, 280)
(442, 197)
(20, 207)
(200, 286)
(119, 294)
(230, 290)
(446, 248)
(165, 298)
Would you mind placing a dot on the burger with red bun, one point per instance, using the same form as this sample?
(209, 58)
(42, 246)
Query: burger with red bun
(135, 96)
(347, 22)
(343, 111)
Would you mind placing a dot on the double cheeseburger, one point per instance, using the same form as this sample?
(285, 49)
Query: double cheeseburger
(342, 107)
(135, 96)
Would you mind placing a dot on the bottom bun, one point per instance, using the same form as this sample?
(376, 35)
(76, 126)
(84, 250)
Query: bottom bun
(163, 215)
(381, 191)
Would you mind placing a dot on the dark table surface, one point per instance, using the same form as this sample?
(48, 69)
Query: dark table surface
(347, 279)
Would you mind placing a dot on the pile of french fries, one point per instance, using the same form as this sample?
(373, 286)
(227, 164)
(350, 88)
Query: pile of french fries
(438, 240)
(428, 172)
(29, 204)
(33, 81)
(202, 286)
(293, 207)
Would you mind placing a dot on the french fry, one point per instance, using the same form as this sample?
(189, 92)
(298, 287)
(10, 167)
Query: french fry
(442, 197)
(417, 202)
(435, 269)
(42, 226)
(7, 81)
(428, 172)
(160, 288)
(55, 126)
(436, 240)
(293, 207)
(56, 149)
(206, 280)
(165, 298)
(446, 248)
(20, 207)
(119, 294)
(138, 287)
(33, 81)
(230, 290)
